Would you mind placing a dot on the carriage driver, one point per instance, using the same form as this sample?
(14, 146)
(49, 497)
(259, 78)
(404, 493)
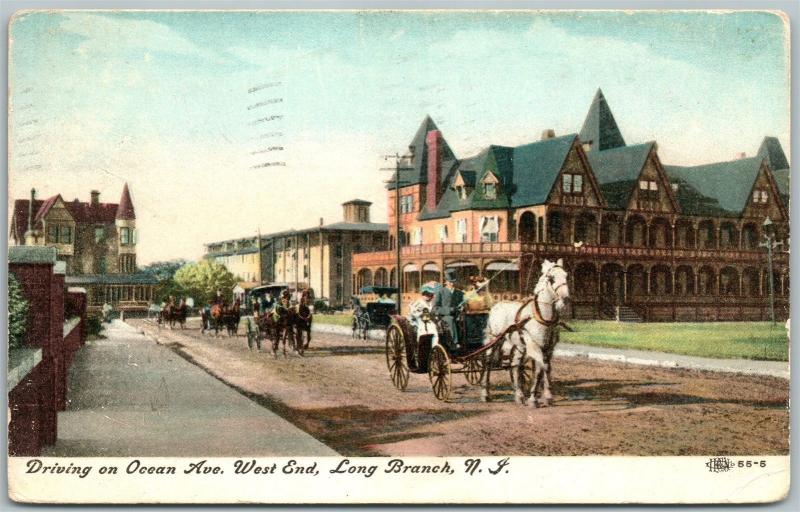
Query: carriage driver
(445, 303)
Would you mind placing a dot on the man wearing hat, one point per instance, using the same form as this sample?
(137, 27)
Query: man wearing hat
(445, 302)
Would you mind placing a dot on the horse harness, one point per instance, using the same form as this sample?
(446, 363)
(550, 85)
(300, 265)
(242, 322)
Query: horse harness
(537, 312)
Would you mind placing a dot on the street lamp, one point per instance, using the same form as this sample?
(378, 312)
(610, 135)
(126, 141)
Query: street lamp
(770, 244)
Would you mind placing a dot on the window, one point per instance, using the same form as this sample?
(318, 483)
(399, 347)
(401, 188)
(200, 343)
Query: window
(490, 226)
(65, 234)
(134, 236)
(566, 183)
(406, 204)
(572, 183)
(125, 236)
(462, 192)
(577, 183)
(417, 239)
(52, 234)
(99, 234)
(489, 190)
(461, 230)
(337, 251)
(443, 233)
(674, 187)
(760, 196)
(648, 190)
(338, 269)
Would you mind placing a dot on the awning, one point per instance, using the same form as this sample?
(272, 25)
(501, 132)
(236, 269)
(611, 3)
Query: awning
(432, 267)
(502, 265)
(457, 264)
(410, 268)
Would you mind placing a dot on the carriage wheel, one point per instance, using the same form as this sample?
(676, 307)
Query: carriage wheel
(439, 372)
(525, 377)
(396, 357)
(473, 370)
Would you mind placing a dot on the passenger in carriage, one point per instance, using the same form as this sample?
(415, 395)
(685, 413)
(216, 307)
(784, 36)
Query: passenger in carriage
(446, 303)
(267, 302)
(477, 296)
(417, 308)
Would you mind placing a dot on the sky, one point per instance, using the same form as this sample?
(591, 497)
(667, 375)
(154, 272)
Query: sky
(228, 123)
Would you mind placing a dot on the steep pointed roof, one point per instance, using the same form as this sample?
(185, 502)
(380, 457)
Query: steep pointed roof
(599, 128)
(125, 209)
(771, 150)
(416, 170)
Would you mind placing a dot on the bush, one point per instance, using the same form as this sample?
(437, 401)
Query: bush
(17, 313)
(94, 326)
(321, 307)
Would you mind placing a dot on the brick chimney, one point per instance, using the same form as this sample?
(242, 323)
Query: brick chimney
(548, 134)
(95, 197)
(434, 143)
(742, 155)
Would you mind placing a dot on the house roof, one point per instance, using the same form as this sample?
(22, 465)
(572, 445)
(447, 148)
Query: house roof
(125, 209)
(617, 171)
(83, 213)
(772, 150)
(526, 174)
(599, 127)
(416, 170)
(138, 278)
(729, 183)
(536, 167)
(32, 254)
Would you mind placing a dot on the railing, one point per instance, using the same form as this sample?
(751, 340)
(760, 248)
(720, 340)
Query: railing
(515, 249)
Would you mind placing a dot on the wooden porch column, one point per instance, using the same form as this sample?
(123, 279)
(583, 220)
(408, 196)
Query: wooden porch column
(624, 286)
(647, 282)
(672, 243)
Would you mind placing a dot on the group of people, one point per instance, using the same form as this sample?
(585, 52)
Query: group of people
(446, 302)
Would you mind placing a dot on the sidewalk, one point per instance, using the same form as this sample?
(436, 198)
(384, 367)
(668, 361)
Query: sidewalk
(630, 356)
(129, 396)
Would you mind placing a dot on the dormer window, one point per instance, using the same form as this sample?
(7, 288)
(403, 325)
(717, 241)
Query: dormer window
(490, 185)
(462, 192)
(125, 236)
(648, 190)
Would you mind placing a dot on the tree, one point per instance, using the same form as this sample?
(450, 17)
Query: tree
(202, 280)
(17, 312)
(165, 271)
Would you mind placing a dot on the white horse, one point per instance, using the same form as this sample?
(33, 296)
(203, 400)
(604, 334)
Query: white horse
(536, 336)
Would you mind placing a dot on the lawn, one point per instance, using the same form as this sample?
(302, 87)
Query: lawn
(345, 319)
(725, 340)
(722, 340)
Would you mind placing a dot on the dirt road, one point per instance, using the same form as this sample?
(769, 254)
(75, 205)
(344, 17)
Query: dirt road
(340, 392)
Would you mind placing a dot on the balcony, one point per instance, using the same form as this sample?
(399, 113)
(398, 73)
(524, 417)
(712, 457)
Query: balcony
(515, 249)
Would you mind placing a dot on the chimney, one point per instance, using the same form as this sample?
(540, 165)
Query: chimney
(321, 222)
(95, 197)
(548, 134)
(30, 209)
(742, 155)
(434, 143)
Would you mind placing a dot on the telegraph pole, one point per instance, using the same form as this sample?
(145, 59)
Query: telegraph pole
(770, 244)
(398, 273)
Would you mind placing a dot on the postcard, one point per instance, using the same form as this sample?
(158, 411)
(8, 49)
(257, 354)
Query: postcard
(398, 257)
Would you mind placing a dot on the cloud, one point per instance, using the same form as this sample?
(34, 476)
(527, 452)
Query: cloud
(112, 35)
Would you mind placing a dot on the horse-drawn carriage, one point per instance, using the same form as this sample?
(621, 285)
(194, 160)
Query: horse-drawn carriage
(518, 336)
(373, 309)
(427, 348)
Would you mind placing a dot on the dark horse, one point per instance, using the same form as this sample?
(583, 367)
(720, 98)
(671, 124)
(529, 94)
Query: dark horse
(302, 322)
(172, 313)
(225, 316)
(278, 325)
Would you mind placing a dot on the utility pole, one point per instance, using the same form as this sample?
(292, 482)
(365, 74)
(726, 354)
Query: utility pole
(770, 244)
(397, 183)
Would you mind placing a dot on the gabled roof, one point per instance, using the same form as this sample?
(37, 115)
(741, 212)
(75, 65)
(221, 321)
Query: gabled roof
(599, 128)
(782, 177)
(536, 167)
(617, 171)
(729, 183)
(417, 168)
(771, 150)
